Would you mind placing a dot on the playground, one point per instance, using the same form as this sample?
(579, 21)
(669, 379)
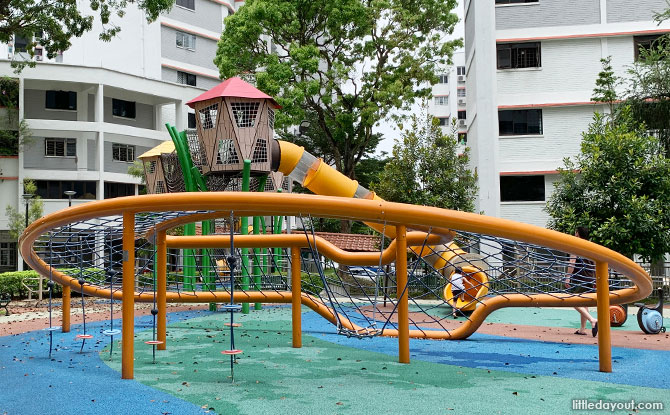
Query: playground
(517, 372)
(215, 293)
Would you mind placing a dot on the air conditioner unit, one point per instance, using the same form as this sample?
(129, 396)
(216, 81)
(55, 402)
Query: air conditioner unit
(461, 101)
(461, 78)
(461, 123)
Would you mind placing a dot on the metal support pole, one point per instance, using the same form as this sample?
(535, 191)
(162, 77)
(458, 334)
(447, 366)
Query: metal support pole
(65, 318)
(128, 291)
(604, 332)
(402, 295)
(296, 316)
(161, 286)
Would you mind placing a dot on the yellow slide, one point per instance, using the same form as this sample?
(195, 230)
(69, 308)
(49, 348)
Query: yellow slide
(320, 178)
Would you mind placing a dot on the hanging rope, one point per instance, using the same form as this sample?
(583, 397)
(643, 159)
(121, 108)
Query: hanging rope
(231, 307)
(50, 285)
(81, 282)
(154, 311)
(111, 274)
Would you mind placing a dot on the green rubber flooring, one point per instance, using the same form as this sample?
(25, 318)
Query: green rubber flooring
(271, 377)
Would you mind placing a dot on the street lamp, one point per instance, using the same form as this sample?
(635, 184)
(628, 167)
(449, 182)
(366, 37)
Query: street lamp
(69, 194)
(26, 198)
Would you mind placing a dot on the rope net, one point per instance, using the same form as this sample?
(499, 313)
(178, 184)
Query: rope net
(365, 296)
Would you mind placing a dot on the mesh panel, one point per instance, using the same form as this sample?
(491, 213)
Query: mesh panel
(198, 154)
(208, 116)
(260, 151)
(271, 119)
(227, 153)
(160, 187)
(245, 113)
(174, 179)
(285, 184)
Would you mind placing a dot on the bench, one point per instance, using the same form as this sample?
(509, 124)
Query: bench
(5, 299)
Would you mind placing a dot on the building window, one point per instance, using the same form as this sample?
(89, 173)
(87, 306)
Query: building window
(187, 4)
(123, 152)
(647, 44)
(54, 189)
(191, 120)
(462, 115)
(113, 190)
(443, 79)
(460, 70)
(20, 43)
(518, 55)
(516, 1)
(442, 100)
(8, 254)
(460, 92)
(521, 188)
(443, 121)
(60, 147)
(185, 40)
(462, 138)
(61, 100)
(520, 122)
(121, 108)
(185, 78)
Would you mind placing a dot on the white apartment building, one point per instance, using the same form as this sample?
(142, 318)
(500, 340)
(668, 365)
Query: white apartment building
(531, 67)
(449, 98)
(98, 105)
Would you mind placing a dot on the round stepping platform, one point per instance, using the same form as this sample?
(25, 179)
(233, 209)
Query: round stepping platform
(56, 328)
(83, 336)
(233, 324)
(111, 332)
(231, 307)
(231, 352)
(153, 342)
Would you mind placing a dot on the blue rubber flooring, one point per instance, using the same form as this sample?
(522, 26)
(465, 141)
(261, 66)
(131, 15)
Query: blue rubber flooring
(629, 366)
(34, 384)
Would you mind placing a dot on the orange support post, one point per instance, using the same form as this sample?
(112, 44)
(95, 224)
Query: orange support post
(161, 287)
(604, 332)
(403, 302)
(128, 291)
(65, 318)
(296, 297)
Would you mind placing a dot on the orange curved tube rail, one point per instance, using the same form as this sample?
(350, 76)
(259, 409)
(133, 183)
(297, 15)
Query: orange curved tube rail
(250, 204)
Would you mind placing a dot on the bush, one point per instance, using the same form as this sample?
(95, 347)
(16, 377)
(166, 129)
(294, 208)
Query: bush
(11, 283)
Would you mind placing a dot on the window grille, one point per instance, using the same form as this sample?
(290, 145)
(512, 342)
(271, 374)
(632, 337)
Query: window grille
(245, 113)
(152, 167)
(227, 153)
(208, 116)
(160, 186)
(60, 147)
(271, 119)
(260, 151)
(443, 100)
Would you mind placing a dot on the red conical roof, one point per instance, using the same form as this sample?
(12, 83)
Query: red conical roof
(233, 87)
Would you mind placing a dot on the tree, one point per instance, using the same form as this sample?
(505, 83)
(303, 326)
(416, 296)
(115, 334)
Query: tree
(425, 169)
(618, 186)
(341, 65)
(606, 84)
(55, 23)
(17, 219)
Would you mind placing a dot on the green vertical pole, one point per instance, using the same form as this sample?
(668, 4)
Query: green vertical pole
(246, 176)
(257, 251)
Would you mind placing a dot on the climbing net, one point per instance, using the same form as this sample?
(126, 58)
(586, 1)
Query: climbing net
(365, 296)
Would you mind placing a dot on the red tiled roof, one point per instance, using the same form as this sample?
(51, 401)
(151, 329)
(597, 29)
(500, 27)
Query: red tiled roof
(346, 241)
(233, 87)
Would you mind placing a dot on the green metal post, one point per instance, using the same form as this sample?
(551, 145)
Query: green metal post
(246, 176)
(257, 251)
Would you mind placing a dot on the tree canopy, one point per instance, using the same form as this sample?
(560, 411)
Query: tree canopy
(426, 169)
(341, 65)
(55, 23)
(618, 186)
(16, 219)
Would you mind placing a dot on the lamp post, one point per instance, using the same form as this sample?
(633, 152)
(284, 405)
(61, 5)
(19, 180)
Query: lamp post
(26, 199)
(69, 194)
